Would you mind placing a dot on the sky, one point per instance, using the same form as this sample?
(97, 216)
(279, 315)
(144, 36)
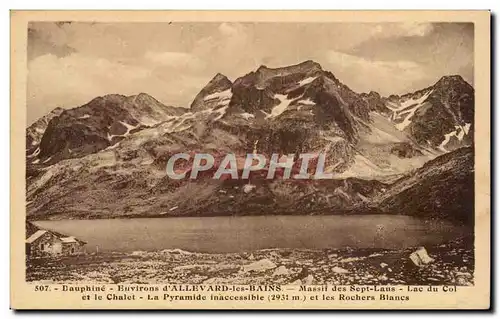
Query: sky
(70, 63)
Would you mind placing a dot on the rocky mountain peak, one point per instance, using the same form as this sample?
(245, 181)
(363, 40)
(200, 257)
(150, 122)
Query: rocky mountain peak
(374, 94)
(58, 110)
(306, 67)
(452, 83)
(451, 79)
(440, 116)
(145, 96)
(220, 80)
(219, 83)
(35, 131)
(110, 98)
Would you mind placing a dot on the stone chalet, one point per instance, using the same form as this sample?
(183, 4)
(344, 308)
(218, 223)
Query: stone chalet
(44, 243)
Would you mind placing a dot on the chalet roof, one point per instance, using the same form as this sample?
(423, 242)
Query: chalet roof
(63, 238)
(35, 236)
(70, 239)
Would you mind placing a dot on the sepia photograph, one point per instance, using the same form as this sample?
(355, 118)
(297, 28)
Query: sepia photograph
(265, 153)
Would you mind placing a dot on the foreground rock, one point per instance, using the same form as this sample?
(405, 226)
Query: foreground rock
(453, 264)
(420, 257)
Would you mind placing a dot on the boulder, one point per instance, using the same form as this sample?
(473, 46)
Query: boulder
(420, 257)
(339, 270)
(281, 271)
(261, 265)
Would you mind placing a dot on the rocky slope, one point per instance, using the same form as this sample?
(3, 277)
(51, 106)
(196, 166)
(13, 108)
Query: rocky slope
(97, 125)
(443, 188)
(108, 157)
(36, 130)
(440, 116)
(218, 89)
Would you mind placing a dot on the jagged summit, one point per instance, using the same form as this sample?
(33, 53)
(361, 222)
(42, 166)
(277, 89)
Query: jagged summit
(448, 81)
(57, 110)
(109, 97)
(300, 67)
(219, 83)
(35, 131)
(452, 78)
(145, 96)
(306, 67)
(220, 77)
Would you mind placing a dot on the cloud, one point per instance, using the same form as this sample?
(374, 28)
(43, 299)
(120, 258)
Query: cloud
(75, 79)
(233, 50)
(408, 29)
(364, 75)
(179, 60)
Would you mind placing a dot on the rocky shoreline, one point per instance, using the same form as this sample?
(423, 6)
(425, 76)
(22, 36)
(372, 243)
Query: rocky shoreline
(446, 264)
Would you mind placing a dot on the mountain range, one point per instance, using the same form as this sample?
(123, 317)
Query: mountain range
(410, 154)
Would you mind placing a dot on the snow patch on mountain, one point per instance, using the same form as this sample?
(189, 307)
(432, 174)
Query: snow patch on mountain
(467, 128)
(127, 126)
(459, 132)
(409, 102)
(48, 159)
(223, 96)
(35, 153)
(306, 102)
(220, 111)
(407, 109)
(281, 107)
(307, 80)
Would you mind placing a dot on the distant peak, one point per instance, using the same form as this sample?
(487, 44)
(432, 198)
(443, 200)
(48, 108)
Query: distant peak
(310, 63)
(219, 81)
(57, 110)
(142, 94)
(220, 77)
(302, 66)
(450, 79)
(112, 97)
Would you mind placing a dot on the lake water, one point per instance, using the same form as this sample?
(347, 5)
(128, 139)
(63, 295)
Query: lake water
(246, 233)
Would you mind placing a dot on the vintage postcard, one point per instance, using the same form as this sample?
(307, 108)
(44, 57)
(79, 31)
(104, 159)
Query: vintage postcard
(250, 160)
